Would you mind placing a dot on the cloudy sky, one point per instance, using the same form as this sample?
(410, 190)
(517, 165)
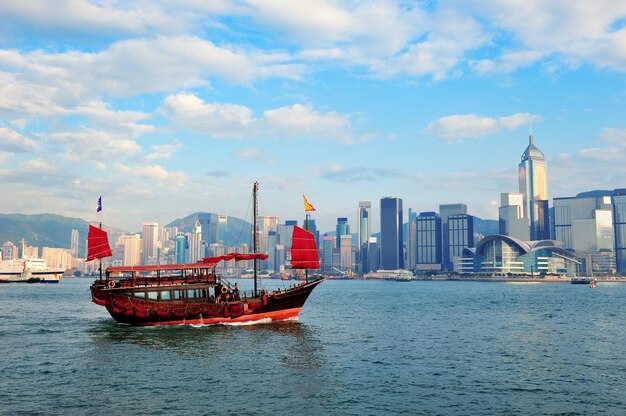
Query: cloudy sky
(166, 108)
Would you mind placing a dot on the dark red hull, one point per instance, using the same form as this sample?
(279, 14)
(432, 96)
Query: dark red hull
(126, 307)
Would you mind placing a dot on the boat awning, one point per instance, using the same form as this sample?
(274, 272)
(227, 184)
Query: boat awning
(154, 268)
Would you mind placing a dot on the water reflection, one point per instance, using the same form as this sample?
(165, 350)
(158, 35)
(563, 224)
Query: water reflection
(297, 343)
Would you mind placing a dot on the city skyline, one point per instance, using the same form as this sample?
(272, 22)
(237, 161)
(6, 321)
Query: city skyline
(173, 109)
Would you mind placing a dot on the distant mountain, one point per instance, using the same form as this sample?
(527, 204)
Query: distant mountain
(237, 230)
(486, 227)
(42, 230)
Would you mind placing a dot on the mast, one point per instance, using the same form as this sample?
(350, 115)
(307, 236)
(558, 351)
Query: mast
(306, 227)
(255, 213)
(100, 259)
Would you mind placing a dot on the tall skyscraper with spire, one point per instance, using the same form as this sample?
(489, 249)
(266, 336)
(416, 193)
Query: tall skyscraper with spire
(533, 184)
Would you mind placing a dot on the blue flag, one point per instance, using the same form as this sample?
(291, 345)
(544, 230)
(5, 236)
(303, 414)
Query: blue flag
(99, 204)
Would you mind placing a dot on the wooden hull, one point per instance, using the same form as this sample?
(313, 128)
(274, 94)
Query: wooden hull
(125, 307)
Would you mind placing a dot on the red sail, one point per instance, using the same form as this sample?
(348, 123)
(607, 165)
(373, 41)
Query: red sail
(304, 253)
(97, 244)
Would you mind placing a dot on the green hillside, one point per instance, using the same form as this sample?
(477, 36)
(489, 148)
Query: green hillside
(42, 230)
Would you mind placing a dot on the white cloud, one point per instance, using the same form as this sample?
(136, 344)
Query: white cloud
(571, 31)
(455, 128)
(252, 153)
(164, 151)
(88, 144)
(220, 120)
(153, 172)
(101, 115)
(303, 121)
(236, 121)
(11, 141)
(40, 165)
(40, 83)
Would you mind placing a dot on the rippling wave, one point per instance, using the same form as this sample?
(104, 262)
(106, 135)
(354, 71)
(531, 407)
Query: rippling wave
(359, 347)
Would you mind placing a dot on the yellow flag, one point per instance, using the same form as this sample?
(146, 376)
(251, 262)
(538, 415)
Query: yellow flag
(307, 205)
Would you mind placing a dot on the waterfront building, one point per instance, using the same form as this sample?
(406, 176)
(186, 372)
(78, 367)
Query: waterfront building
(428, 241)
(345, 253)
(74, 243)
(285, 231)
(445, 211)
(460, 236)
(132, 250)
(9, 251)
(57, 257)
(328, 244)
(503, 255)
(29, 252)
(208, 224)
(533, 184)
(196, 248)
(272, 241)
(266, 224)
(364, 222)
(619, 224)
(411, 241)
(309, 224)
(222, 228)
(391, 238)
(511, 216)
(585, 226)
(149, 242)
(280, 258)
(343, 228)
(371, 257)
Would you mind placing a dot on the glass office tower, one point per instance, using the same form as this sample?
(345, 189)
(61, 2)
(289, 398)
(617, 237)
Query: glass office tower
(391, 239)
(533, 184)
(619, 225)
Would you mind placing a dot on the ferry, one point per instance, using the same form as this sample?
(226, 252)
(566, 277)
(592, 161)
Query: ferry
(398, 275)
(28, 271)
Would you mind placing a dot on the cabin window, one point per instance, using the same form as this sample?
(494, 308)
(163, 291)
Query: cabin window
(166, 295)
(141, 295)
(191, 294)
(153, 295)
(178, 294)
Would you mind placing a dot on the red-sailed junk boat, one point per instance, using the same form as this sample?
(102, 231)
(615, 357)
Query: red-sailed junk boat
(193, 293)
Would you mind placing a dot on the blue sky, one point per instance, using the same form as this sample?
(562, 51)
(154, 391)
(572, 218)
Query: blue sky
(171, 107)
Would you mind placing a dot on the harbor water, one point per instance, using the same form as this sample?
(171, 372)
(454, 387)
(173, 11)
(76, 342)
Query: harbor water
(359, 348)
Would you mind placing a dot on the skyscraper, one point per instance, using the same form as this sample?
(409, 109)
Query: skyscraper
(533, 184)
(411, 240)
(460, 235)
(445, 211)
(328, 245)
(511, 216)
(428, 241)
(208, 223)
(364, 223)
(619, 226)
(74, 243)
(132, 250)
(149, 242)
(391, 239)
(342, 229)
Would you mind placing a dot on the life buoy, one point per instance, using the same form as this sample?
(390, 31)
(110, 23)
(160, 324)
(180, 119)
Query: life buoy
(111, 284)
(224, 290)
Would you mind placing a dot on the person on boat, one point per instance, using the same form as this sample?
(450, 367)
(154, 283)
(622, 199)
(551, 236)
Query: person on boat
(236, 292)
